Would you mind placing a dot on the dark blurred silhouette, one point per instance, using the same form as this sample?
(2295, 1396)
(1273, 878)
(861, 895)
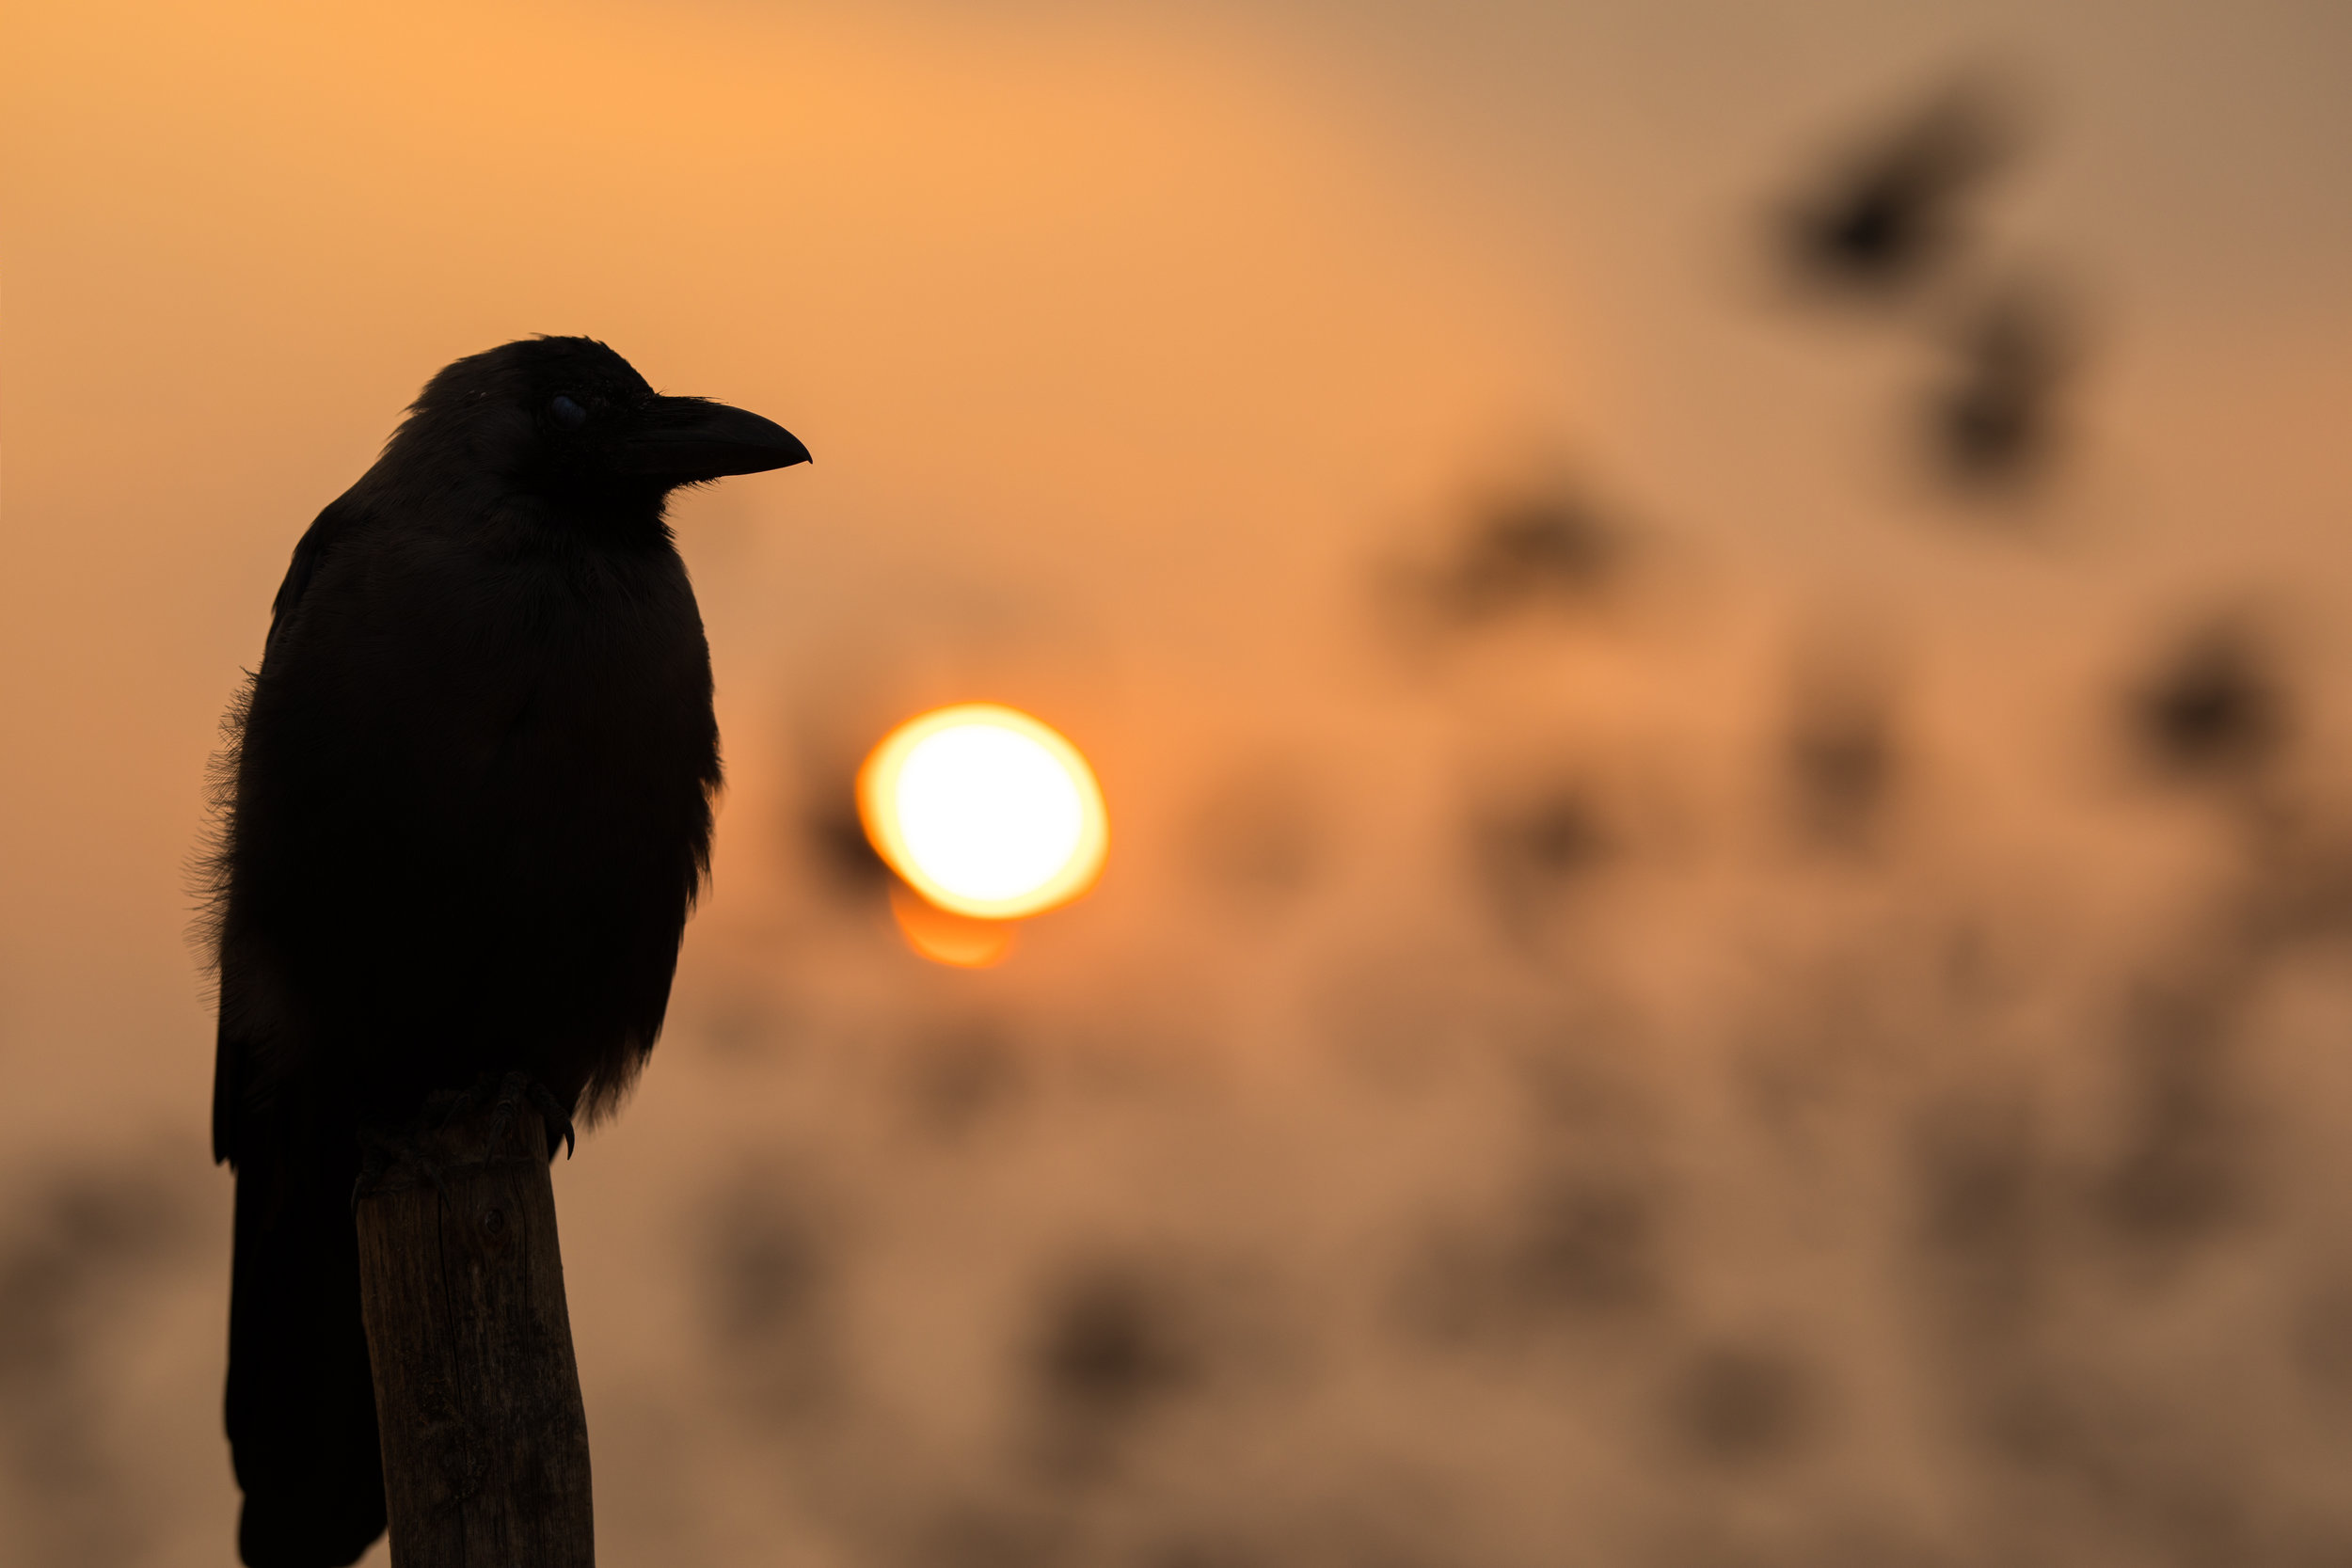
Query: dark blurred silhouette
(1583, 1246)
(838, 842)
(1843, 754)
(1889, 215)
(1524, 550)
(1530, 849)
(2215, 710)
(1744, 1404)
(1995, 423)
(2188, 1167)
(469, 812)
(1530, 549)
(1113, 1344)
(1892, 217)
(770, 1263)
(962, 1076)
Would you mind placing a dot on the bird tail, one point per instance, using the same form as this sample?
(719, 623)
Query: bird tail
(301, 1404)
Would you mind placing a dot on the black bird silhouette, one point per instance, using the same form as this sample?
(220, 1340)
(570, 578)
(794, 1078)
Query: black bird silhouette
(469, 811)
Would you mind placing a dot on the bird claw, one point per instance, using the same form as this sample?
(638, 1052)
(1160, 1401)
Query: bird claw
(553, 1113)
(380, 1154)
(556, 1115)
(517, 1088)
(504, 1094)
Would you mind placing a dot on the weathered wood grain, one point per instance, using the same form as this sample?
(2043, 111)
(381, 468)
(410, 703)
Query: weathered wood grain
(486, 1441)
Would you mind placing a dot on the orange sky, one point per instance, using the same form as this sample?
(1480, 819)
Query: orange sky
(1126, 336)
(1132, 342)
(1121, 342)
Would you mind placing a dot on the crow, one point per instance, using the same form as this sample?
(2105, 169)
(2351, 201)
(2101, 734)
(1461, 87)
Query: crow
(467, 809)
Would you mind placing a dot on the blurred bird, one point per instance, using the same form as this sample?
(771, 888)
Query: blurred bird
(469, 811)
(1892, 214)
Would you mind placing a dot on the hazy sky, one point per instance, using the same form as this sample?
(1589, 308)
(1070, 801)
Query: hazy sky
(1123, 336)
(1138, 346)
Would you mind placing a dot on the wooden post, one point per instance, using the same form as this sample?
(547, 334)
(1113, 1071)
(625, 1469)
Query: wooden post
(477, 1396)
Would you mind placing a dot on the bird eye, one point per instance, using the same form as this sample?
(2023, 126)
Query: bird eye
(570, 415)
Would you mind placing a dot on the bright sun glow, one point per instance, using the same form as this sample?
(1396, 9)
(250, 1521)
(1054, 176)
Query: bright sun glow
(985, 811)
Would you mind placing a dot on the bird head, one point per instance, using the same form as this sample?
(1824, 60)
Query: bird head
(571, 422)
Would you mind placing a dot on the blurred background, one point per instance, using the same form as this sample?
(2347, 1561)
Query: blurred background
(1717, 637)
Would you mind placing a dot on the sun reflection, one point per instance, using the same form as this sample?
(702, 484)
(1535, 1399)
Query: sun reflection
(986, 813)
(946, 937)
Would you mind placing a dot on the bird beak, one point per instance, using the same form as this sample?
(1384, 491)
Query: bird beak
(684, 439)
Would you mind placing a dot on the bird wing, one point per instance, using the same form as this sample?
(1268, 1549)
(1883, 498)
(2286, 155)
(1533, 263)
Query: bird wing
(233, 1051)
(326, 531)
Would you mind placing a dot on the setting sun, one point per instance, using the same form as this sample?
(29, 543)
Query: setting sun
(985, 811)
